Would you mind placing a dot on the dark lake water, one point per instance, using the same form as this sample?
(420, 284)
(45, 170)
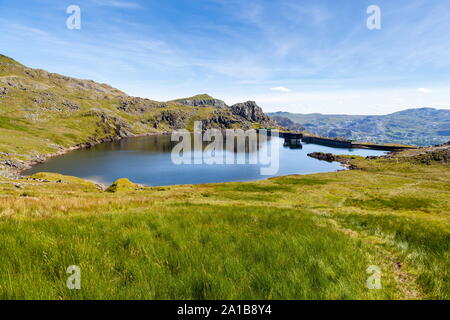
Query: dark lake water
(147, 160)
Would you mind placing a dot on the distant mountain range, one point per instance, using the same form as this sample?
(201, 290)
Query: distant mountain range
(420, 127)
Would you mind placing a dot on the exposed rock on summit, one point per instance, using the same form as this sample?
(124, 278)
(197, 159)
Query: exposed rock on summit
(204, 103)
(250, 111)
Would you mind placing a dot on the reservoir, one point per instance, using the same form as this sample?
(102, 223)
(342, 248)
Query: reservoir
(147, 160)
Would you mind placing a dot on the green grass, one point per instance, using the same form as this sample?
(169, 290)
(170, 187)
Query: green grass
(196, 97)
(296, 237)
(252, 187)
(300, 181)
(122, 185)
(424, 247)
(187, 252)
(13, 124)
(396, 203)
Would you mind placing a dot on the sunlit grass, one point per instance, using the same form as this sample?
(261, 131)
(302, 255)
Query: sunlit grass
(296, 237)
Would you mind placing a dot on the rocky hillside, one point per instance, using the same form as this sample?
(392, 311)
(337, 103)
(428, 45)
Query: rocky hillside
(421, 127)
(288, 123)
(437, 154)
(43, 113)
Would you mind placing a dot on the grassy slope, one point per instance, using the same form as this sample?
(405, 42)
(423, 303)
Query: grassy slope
(292, 237)
(28, 127)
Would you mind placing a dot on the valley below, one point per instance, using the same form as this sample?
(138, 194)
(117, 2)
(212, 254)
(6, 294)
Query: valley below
(418, 127)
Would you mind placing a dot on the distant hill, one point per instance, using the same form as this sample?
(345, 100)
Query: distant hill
(421, 127)
(44, 113)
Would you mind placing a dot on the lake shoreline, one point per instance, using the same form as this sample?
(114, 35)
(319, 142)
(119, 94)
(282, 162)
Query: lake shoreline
(16, 169)
(147, 161)
(16, 173)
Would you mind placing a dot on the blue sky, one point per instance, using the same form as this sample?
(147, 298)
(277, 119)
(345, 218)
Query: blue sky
(293, 55)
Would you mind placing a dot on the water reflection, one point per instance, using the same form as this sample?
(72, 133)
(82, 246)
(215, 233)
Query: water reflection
(147, 160)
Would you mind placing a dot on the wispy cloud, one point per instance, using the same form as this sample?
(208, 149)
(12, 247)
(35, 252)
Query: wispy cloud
(280, 89)
(353, 101)
(234, 48)
(118, 4)
(317, 14)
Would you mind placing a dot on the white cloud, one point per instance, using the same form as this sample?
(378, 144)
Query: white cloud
(424, 90)
(280, 89)
(118, 4)
(362, 101)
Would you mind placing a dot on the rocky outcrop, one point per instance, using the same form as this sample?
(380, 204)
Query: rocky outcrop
(223, 119)
(433, 155)
(204, 103)
(72, 106)
(250, 111)
(11, 168)
(428, 156)
(138, 105)
(49, 101)
(15, 164)
(329, 157)
(3, 91)
(245, 115)
(437, 156)
(175, 119)
(112, 125)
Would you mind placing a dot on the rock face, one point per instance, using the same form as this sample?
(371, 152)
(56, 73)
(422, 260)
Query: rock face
(204, 103)
(250, 111)
(174, 118)
(138, 105)
(224, 116)
(113, 125)
(16, 164)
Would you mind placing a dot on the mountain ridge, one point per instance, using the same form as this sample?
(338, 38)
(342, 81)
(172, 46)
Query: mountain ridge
(417, 126)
